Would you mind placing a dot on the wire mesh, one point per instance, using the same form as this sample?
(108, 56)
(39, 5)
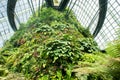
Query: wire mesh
(25, 8)
(5, 29)
(86, 11)
(111, 24)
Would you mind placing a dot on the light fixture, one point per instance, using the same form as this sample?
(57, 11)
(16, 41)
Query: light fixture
(56, 2)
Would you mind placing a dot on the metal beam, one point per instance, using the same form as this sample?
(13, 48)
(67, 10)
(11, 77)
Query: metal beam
(102, 15)
(49, 3)
(63, 5)
(10, 13)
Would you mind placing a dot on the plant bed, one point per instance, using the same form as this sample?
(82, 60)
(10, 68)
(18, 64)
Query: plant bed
(48, 47)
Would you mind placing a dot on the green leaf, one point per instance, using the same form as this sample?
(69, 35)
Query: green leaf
(59, 75)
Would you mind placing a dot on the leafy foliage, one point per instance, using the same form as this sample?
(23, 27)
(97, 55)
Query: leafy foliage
(88, 45)
(113, 47)
(98, 66)
(48, 47)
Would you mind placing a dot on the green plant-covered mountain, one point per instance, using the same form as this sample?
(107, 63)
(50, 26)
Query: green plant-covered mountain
(54, 46)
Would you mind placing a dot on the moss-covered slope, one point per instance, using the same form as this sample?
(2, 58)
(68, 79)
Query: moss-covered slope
(52, 47)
